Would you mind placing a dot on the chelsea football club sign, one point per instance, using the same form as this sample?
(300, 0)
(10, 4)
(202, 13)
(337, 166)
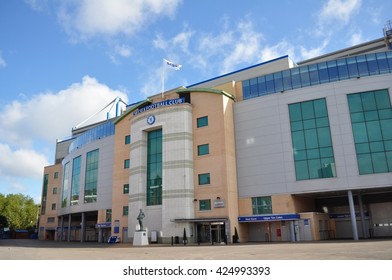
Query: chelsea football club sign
(164, 103)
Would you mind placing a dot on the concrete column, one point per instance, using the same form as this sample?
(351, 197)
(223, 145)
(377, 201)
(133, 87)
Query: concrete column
(61, 228)
(69, 228)
(292, 231)
(352, 215)
(364, 231)
(82, 227)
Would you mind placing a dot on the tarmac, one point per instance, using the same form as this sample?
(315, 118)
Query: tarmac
(27, 249)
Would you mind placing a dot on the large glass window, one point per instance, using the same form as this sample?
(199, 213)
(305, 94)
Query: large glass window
(91, 180)
(75, 184)
(318, 73)
(154, 167)
(64, 193)
(371, 120)
(311, 138)
(44, 193)
(261, 205)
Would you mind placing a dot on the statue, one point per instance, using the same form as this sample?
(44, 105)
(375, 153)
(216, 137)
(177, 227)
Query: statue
(140, 218)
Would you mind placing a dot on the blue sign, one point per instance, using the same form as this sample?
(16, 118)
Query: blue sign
(164, 103)
(260, 218)
(103, 225)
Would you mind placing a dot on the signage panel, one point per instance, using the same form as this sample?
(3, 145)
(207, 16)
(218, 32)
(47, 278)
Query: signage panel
(169, 102)
(260, 218)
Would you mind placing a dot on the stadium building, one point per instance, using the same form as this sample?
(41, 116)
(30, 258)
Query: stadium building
(278, 151)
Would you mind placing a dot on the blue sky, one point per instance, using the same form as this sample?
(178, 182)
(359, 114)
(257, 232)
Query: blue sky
(63, 60)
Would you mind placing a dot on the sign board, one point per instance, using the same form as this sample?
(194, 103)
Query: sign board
(164, 103)
(261, 218)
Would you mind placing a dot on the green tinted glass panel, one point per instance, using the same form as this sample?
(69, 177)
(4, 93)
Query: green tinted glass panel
(311, 138)
(203, 149)
(205, 204)
(204, 179)
(261, 205)
(203, 121)
(154, 167)
(372, 130)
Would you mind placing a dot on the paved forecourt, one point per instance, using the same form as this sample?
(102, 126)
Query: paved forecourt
(328, 250)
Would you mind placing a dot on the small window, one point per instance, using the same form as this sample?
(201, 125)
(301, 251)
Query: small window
(205, 204)
(261, 205)
(126, 163)
(50, 220)
(127, 139)
(204, 179)
(54, 190)
(56, 175)
(53, 206)
(203, 150)
(125, 210)
(108, 215)
(202, 121)
(126, 188)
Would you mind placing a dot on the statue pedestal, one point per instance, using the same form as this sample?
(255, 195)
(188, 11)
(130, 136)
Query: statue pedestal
(140, 238)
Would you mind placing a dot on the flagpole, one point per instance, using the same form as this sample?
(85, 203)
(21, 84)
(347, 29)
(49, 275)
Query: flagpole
(163, 78)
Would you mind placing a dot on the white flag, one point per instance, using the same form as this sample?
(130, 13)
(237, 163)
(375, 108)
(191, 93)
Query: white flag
(172, 65)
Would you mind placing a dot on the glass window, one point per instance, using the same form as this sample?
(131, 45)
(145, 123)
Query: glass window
(295, 78)
(53, 206)
(125, 210)
(312, 142)
(108, 215)
(323, 72)
(56, 175)
(278, 81)
(204, 179)
(205, 204)
(55, 190)
(126, 163)
(269, 83)
(286, 80)
(254, 91)
(372, 130)
(203, 149)
(362, 65)
(372, 64)
(202, 121)
(154, 168)
(352, 67)
(126, 188)
(332, 71)
(304, 73)
(342, 69)
(127, 139)
(64, 194)
(91, 177)
(75, 185)
(246, 89)
(261, 205)
(313, 74)
(382, 63)
(262, 87)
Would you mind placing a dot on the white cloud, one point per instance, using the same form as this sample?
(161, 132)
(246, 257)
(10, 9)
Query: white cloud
(307, 53)
(21, 163)
(2, 61)
(341, 10)
(355, 39)
(49, 116)
(89, 18)
(277, 50)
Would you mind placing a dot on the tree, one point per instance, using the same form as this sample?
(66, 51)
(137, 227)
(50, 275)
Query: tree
(19, 211)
